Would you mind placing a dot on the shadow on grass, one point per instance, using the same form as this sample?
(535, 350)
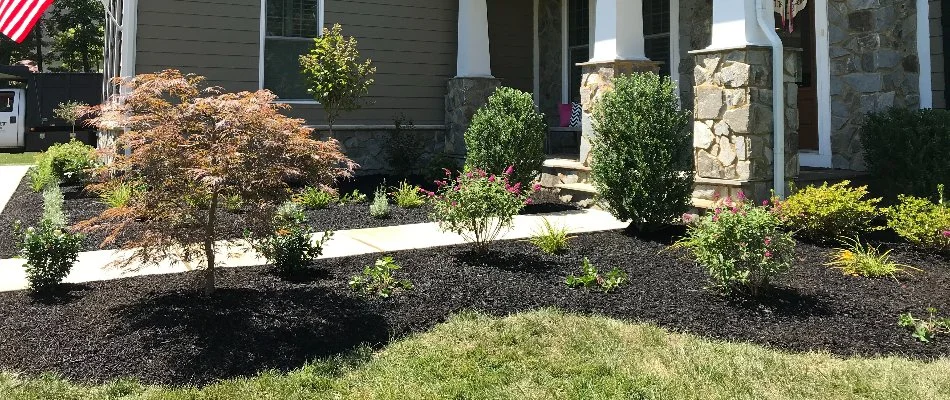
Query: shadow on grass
(241, 332)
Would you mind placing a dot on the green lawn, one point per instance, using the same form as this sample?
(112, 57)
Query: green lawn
(550, 355)
(17, 159)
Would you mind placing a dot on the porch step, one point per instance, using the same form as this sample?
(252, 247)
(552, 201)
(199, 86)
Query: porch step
(558, 171)
(580, 193)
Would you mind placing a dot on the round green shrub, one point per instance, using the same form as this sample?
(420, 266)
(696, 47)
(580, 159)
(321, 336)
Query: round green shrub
(907, 150)
(641, 151)
(922, 222)
(507, 131)
(70, 163)
(828, 213)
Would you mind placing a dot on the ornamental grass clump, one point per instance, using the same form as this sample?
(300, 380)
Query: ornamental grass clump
(50, 249)
(922, 222)
(549, 238)
(857, 259)
(314, 198)
(408, 196)
(826, 213)
(741, 245)
(477, 205)
(641, 158)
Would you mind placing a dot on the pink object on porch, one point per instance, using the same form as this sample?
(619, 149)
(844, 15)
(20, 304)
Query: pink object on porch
(564, 111)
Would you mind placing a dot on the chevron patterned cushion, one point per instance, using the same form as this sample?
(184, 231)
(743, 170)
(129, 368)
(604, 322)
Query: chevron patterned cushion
(576, 112)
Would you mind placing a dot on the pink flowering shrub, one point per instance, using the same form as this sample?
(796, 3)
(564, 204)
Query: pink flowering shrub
(478, 206)
(741, 245)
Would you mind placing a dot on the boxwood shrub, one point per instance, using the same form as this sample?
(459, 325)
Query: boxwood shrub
(908, 150)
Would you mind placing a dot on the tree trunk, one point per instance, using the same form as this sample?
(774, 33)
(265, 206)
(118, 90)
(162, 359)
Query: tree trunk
(38, 34)
(209, 245)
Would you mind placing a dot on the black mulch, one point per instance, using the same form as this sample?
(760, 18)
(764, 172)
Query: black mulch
(80, 205)
(160, 330)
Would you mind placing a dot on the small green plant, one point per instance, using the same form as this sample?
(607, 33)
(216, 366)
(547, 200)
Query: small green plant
(120, 194)
(741, 245)
(925, 330)
(858, 259)
(825, 213)
(549, 238)
(69, 163)
(290, 248)
(354, 197)
(408, 196)
(71, 111)
(232, 203)
(590, 277)
(378, 279)
(380, 207)
(922, 222)
(50, 249)
(313, 198)
(478, 206)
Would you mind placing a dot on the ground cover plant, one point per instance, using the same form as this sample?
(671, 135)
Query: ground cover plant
(827, 213)
(922, 222)
(641, 127)
(50, 249)
(237, 144)
(591, 277)
(354, 197)
(857, 259)
(549, 238)
(507, 131)
(906, 150)
(478, 206)
(742, 246)
(377, 279)
(927, 329)
(546, 355)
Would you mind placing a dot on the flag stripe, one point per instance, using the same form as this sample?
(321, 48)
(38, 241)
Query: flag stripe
(18, 17)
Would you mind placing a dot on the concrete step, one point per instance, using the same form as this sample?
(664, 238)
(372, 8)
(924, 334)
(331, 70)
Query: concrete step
(583, 194)
(558, 171)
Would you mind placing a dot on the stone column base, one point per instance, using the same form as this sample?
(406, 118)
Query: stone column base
(598, 79)
(465, 96)
(706, 191)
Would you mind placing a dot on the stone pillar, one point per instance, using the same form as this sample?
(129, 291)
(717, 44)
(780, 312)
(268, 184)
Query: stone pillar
(598, 79)
(474, 82)
(733, 122)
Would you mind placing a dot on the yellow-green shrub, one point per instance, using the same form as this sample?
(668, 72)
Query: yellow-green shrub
(922, 222)
(824, 213)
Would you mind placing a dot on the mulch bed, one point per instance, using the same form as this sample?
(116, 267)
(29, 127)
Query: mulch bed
(160, 329)
(80, 205)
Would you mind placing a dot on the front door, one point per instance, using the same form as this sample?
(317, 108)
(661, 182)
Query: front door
(11, 118)
(801, 34)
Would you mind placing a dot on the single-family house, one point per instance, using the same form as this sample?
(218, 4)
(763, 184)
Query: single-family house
(438, 60)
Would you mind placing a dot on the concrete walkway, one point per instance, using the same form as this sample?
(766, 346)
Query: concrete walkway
(94, 265)
(10, 177)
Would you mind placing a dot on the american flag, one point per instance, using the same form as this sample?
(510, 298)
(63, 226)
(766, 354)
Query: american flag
(17, 17)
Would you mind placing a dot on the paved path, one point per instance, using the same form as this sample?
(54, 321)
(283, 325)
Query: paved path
(93, 266)
(10, 177)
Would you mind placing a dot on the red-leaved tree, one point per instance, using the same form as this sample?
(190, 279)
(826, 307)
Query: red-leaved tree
(187, 147)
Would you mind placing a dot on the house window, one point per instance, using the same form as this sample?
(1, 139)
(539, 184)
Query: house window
(290, 26)
(578, 43)
(656, 32)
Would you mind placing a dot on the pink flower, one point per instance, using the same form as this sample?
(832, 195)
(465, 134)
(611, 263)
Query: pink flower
(689, 218)
(455, 204)
(528, 201)
(441, 183)
(491, 178)
(536, 187)
(946, 234)
(768, 254)
(716, 218)
(514, 189)
(768, 241)
(510, 170)
(741, 196)
(716, 197)
(765, 203)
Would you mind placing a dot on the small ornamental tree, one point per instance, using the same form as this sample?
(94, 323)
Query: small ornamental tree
(335, 75)
(508, 130)
(72, 112)
(191, 147)
(640, 158)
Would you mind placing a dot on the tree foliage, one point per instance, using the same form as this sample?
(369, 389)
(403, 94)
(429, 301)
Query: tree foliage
(335, 75)
(77, 29)
(191, 147)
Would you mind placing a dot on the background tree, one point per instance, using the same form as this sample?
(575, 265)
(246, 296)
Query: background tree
(335, 75)
(77, 29)
(191, 148)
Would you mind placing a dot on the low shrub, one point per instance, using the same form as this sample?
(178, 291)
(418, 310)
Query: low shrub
(290, 248)
(641, 156)
(378, 279)
(313, 198)
(907, 150)
(549, 238)
(741, 245)
(858, 259)
(354, 197)
(478, 206)
(507, 130)
(826, 213)
(408, 196)
(922, 222)
(925, 330)
(380, 207)
(50, 249)
(590, 277)
(69, 163)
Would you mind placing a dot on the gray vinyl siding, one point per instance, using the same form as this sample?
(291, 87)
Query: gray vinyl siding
(511, 38)
(411, 42)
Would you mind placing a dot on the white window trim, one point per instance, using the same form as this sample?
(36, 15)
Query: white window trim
(822, 158)
(924, 55)
(263, 36)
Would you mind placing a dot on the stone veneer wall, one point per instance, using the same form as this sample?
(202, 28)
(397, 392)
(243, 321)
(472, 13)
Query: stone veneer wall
(465, 96)
(695, 34)
(551, 54)
(369, 147)
(874, 66)
(937, 60)
(732, 131)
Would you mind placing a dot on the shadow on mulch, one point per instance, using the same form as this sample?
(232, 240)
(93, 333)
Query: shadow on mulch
(517, 262)
(783, 301)
(63, 294)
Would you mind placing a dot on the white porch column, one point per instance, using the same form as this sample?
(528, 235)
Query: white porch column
(474, 58)
(735, 25)
(618, 30)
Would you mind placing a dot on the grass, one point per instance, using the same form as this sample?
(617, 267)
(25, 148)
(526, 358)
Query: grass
(550, 355)
(18, 159)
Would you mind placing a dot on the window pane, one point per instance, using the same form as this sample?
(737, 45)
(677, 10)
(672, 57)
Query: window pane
(656, 17)
(282, 68)
(658, 49)
(6, 101)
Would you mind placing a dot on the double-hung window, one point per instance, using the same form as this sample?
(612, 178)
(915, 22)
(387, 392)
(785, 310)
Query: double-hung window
(289, 29)
(656, 32)
(578, 44)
